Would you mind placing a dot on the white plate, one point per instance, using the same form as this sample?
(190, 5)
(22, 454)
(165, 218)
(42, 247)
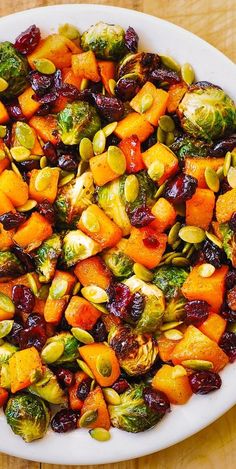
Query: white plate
(78, 447)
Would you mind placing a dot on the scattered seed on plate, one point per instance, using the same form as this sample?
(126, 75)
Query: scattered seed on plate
(187, 73)
(170, 62)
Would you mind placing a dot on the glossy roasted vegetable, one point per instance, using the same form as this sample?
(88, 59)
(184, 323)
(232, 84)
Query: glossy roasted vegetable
(174, 310)
(10, 265)
(111, 201)
(48, 388)
(6, 351)
(170, 279)
(70, 351)
(46, 258)
(78, 246)
(188, 146)
(118, 262)
(13, 69)
(76, 121)
(229, 242)
(145, 196)
(107, 41)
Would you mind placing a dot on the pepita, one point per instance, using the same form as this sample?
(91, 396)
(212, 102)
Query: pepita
(171, 63)
(95, 294)
(192, 234)
(5, 327)
(100, 307)
(173, 334)
(86, 149)
(109, 128)
(180, 262)
(43, 179)
(170, 325)
(69, 31)
(82, 336)
(93, 385)
(58, 289)
(43, 291)
(43, 162)
(198, 364)
(161, 135)
(167, 124)
(45, 66)
(29, 205)
(103, 366)
(82, 167)
(173, 233)
(191, 251)
(206, 270)
(20, 153)
(76, 288)
(100, 434)
(170, 138)
(146, 102)
(220, 173)
(90, 221)
(142, 272)
(131, 188)
(231, 177)
(233, 159)
(84, 84)
(186, 248)
(112, 86)
(32, 284)
(212, 179)
(116, 160)
(99, 142)
(187, 73)
(87, 418)
(65, 180)
(25, 135)
(156, 170)
(3, 131)
(178, 371)
(176, 244)
(111, 396)
(84, 367)
(160, 191)
(52, 351)
(3, 84)
(214, 239)
(227, 163)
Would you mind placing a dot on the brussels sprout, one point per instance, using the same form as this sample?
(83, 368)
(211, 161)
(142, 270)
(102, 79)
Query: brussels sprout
(147, 190)
(76, 121)
(10, 266)
(46, 258)
(107, 41)
(189, 146)
(132, 414)
(14, 69)
(48, 388)
(70, 348)
(6, 351)
(78, 246)
(136, 352)
(73, 198)
(229, 242)
(111, 201)
(170, 279)
(154, 304)
(207, 112)
(28, 416)
(118, 262)
(174, 309)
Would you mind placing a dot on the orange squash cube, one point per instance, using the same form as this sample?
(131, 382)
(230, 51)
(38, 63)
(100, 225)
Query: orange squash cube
(165, 215)
(146, 246)
(24, 367)
(214, 326)
(174, 384)
(160, 152)
(134, 124)
(33, 232)
(50, 192)
(96, 401)
(199, 209)
(158, 107)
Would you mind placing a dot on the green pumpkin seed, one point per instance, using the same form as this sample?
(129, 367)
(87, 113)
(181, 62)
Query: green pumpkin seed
(214, 239)
(180, 262)
(111, 396)
(5, 327)
(186, 248)
(87, 418)
(3, 85)
(170, 255)
(100, 307)
(142, 272)
(52, 351)
(187, 73)
(198, 364)
(90, 221)
(170, 138)
(65, 180)
(2, 155)
(212, 179)
(82, 336)
(99, 142)
(82, 167)
(3, 131)
(93, 385)
(116, 160)
(233, 159)
(190, 252)
(43, 291)
(231, 177)
(29, 205)
(103, 366)
(112, 86)
(100, 434)
(25, 135)
(45, 66)
(220, 173)
(173, 334)
(95, 294)
(171, 63)
(227, 163)
(86, 149)
(20, 153)
(84, 367)
(58, 289)
(167, 124)
(192, 234)
(131, 188)
(6, 303)
(176, 244)
(43, 162)
(16, 170)
(69, 31)
(156, 170)
(178, 371)
(161, 135)
(160, 191)
(32, 284)
(109, 128)
(76, 288)
(43, 179)
(146, 102)
(206, 270)
(174, 233)
(170, 325)
(103, 90)
(84, 84)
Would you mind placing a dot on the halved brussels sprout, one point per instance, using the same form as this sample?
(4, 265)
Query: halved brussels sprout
(10, 266)
(48, 388)
(118, 262)
(107, 41)
(78, 246)
(170, 279)
(70, 348)
(46, 258)
(14, 69)
(76, 121)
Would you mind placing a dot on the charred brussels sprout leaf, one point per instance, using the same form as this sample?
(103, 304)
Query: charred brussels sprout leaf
(48, 388)
(145, 198)
(14, 69)
(170, 279)
(174, 309)
(27, 416)
(78, 246)
(76, 121)
(70, 348)
(110, 199)
(107, 41)
(118, 262)
(10, 266)
(6, 351)
(229, 242)
(188, 146)
(46, 257)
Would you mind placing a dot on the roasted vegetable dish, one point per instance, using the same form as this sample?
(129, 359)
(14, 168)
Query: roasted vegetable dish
(117, 232)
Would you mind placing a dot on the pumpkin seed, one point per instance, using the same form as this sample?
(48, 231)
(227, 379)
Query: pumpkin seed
(212, 179)
(65, 180)
(43, 179)
(161, 135)
(100, 307)
(112, 86)
(180, 262)
(174, 233)
(43, 162)
(87, 418)
(86, 149)
(3, 84)
(90, 221)
(170, 255)
(186, 248)
(206, 270)
(95, 294)
(160, 191)
(109, 128)
(142, 272)
(69, 31)
(111, 396)
(176, 244)
(131, 188)
(45, 66)
(170, 325)
(82, 167)
(99, 142)
(29, 205)
(192, 234)
(169, 62)
(20, 153)
(93, 385)
(100, 434)
(167, 124)
(35, 376)
(25, 135)
(187, 73)
(220, 173)
(198, 364)
(156, 170)
(231, 177)
(227, 163)
(32, 284)
(5, 327)
(76, 288)
(170, 138)
(103, 90)
(58, 289)
(3, 131)
(233, 159)
(178, 371)
(190, 252)
(116, 160)
(43, 291)
(84, 84)
(214, 239)
(52, 351)
(173, 334)
(84, 367)
(146, 102)
(2, 154)
(103, 366)
(82, 336)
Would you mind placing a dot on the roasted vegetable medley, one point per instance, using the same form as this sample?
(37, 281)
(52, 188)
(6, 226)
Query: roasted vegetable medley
(117, 232)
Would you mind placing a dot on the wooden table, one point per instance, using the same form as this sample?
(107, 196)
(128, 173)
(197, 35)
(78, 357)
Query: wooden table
(213, 20)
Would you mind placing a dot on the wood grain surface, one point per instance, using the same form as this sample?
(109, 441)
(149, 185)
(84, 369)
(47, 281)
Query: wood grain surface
(213, 20)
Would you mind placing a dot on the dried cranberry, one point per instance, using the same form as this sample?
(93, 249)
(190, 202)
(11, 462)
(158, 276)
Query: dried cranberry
(228, 313)
(43, 110)
(232, 222)
(24, 257)
(136, 307)
(203, 382)
(15, 112)
(46, 210)
(112, 140)
(231, 299)
(224, 187)
(11, 220)
(131, 40)
(156, 400)
(120, 386)
(14, 335)
(28, 40)
(40, 83)
(64, 421)
(196, 312)
(69, 91)
(212, 254)
(28, 165)
(50, 152)
(48, 98)
(111, 109)
(23, 299)
(57, 79)
(99, 331)
(34, 320)
(141, 216)
(119, 299)
(67, 163)
(228, 344)
(181, 188)
(32, 337)
(7, 138)
(220, 148)
(126, 88)
(163, 75)
(151, 241)
(231, 279)
(64, 376)
(83, 389)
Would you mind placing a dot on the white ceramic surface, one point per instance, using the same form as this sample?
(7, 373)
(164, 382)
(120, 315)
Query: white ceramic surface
(78, 447)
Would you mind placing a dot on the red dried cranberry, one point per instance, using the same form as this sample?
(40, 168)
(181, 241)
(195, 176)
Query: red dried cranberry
(14, 335)
(151, 241)
(50, 152)
(64, 376)
(163, 75)
(64, 421)
(67, 163)
(23, 299)
(28, 40)
(46, 210)
(227, 313)
(69, 91)
(231, 299)
(11, 220)
(228, 344)
(224, 187)
(127, 88)
(232, 222)
(15, 112)
(203, 382)
(131, 40)
(196, 312)
(124, 304)
(120, 386)
(156, 401)
(34, 320)
(212, 254)
(99, 331)
(43, 110)
(230, 279)
(136, 307)
(7, 138)
(83, 389)
(220, 148)
(28, 165)
(32, 337)
(141, 216)
(40, 83)
(24, 257)
(181, 188)
(111, 109)
(48, 98)
(57, 79)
